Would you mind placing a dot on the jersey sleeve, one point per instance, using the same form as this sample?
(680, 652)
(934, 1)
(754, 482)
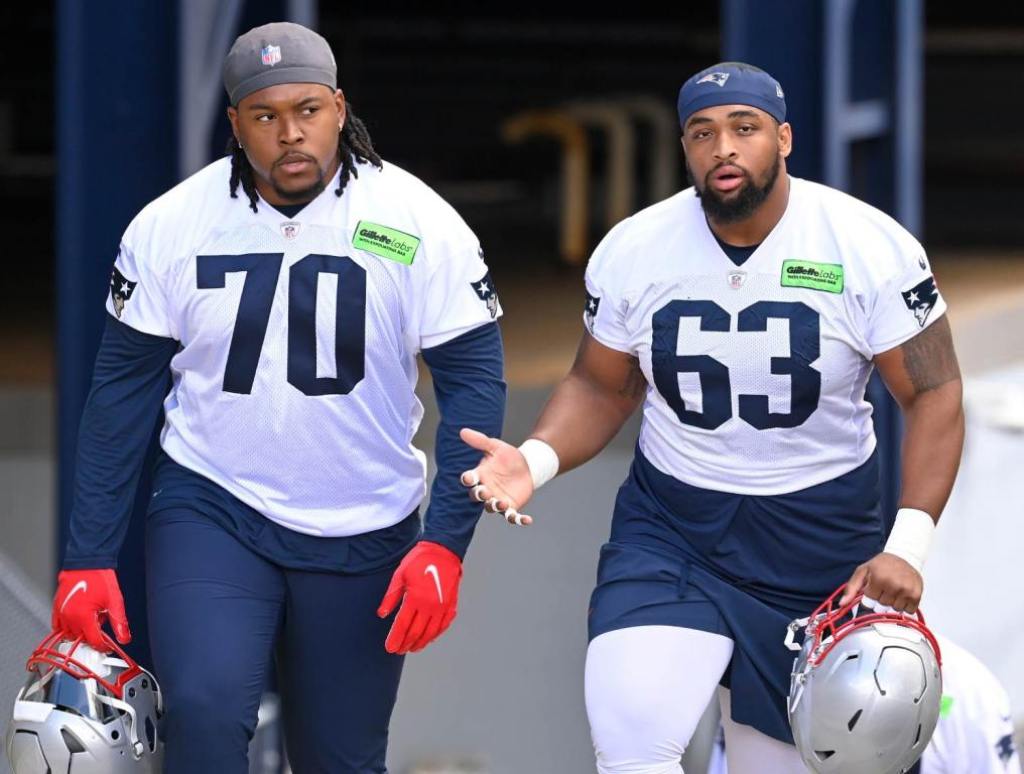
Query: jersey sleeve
(990, 737)
(459, 294)
(136, 296)
(974, 734)
(603, 311)
(906, 303)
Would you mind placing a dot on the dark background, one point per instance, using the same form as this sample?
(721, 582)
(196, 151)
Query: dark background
(434, 86)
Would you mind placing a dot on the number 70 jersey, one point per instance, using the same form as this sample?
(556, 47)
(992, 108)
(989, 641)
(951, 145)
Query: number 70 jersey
(293, 387)
(756, 373)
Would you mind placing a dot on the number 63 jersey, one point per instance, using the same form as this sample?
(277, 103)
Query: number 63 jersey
(756, 373)
(293, 387)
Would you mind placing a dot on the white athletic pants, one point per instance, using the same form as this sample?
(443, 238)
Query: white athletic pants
(646, 689)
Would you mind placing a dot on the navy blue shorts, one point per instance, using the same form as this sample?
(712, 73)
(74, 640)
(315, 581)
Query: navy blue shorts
(740, 566)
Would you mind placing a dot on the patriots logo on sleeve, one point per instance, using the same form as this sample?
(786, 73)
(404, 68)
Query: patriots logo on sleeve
(590, 311)
(1005, 748)
(921, 298)
(486, 292)
(121, 290)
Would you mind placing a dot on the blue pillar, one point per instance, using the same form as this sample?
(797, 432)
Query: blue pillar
(116, 71)
(852, 74)
(119, 63)
(784, 38)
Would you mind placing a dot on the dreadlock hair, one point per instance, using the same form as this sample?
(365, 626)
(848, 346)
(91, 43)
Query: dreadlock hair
(354, 146)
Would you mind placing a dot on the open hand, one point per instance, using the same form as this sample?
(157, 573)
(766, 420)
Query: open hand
(502, 480)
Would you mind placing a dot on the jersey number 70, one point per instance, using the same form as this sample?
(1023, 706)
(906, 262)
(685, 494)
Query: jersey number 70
(804, 348)
(261, 274)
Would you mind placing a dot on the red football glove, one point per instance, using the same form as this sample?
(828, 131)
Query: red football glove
(84, 599)
(428, 577)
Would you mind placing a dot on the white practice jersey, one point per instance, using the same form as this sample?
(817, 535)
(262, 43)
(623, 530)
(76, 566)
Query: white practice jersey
(974, 734)
(975, 729)
(757, 372)
(293, 386)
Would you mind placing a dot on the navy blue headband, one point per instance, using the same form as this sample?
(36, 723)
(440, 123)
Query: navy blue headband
(731, 83)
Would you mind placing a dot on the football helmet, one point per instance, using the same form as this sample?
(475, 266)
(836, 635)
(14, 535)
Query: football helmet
(866, 688)
(85, 712)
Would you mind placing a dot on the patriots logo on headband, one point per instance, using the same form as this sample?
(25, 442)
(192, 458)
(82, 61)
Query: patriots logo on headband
(716, 78)
(920, 299)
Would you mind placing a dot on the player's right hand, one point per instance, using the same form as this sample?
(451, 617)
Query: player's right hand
(84, 600)
(888, 581)
(501, 480)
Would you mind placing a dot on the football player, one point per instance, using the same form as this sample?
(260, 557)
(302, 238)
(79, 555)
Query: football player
(975, 729)
(274, 303)
(745, 314)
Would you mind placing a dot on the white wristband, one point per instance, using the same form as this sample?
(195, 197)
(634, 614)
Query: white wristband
(541, 459)
(910, 537)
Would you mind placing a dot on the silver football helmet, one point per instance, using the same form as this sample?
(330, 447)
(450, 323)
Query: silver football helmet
(865, 691)
(85, 712)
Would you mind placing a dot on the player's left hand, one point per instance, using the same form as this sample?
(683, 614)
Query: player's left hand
(889, 581)
(427, 584)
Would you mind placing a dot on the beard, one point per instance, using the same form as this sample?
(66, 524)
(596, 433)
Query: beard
(750, 196)
(298, 196)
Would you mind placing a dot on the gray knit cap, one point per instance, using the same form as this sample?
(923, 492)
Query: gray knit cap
(276, 53)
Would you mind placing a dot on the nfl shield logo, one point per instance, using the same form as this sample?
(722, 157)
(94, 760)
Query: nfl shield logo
(270, 55)
(290, 229)
(736, 279)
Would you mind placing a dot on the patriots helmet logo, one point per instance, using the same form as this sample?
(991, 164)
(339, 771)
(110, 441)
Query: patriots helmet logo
(485, 291)
(716, 78)
(921, 298)
(590, 311)
(121, 290)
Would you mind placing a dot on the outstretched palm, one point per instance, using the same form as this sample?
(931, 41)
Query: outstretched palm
(501, 480)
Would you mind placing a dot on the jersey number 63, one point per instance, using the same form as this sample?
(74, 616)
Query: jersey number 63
(804, 348)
